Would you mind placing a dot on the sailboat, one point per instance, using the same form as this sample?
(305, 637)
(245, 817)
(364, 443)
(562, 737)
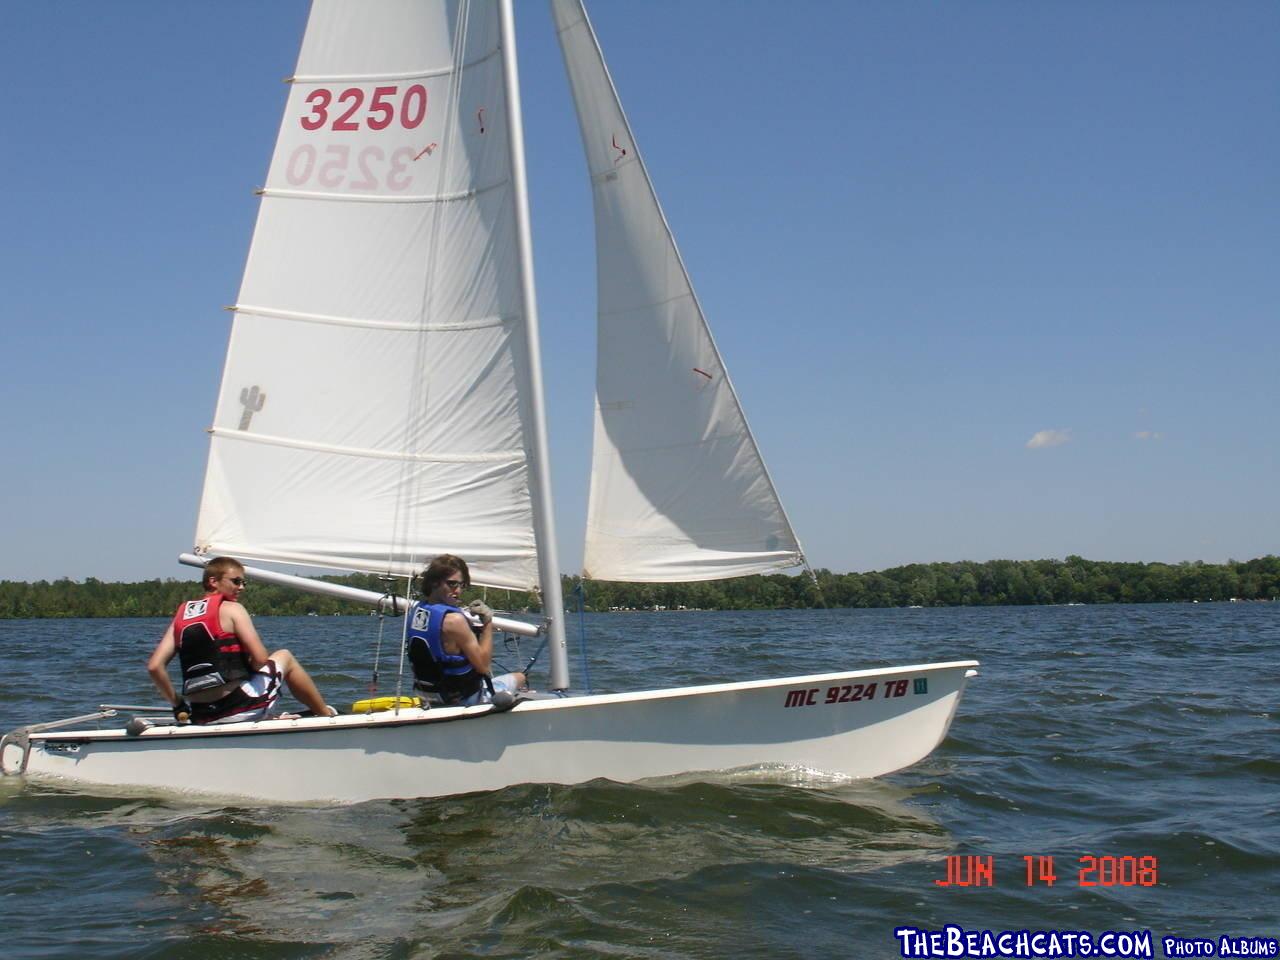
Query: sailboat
(382, 403)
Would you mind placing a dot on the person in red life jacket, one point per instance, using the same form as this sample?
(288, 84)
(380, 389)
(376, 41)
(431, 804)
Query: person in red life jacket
(452, 648)
(227, 676)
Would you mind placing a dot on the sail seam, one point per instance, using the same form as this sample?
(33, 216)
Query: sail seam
(273, 192)
(610, 174)
(482, 323)
(706, 556)
(701, 441)
(569, 26)
(424, 74)
(645, 306)
(501, 456)
(671, 573)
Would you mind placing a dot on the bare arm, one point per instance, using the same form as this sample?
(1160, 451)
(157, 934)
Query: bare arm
(457, 633)
(158, 665)
(242, 626)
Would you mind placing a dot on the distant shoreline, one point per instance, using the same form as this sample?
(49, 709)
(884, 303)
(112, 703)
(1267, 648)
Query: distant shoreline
(1074, 580)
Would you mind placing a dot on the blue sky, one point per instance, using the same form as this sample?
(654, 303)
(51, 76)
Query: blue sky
(924, 234)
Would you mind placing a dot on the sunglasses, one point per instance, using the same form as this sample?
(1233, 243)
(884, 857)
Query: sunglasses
(238, 581)
(453, 584)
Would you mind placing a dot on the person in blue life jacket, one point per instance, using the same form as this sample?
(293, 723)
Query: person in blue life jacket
(227, 676)
(451, 649)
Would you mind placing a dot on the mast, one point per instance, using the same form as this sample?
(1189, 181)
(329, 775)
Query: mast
(539, 461)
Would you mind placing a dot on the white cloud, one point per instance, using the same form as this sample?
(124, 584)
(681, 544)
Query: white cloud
(1146, 435)
(1048, 438)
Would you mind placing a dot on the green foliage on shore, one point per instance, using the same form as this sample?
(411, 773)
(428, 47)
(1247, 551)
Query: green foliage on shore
(993, 583)
(160, 598)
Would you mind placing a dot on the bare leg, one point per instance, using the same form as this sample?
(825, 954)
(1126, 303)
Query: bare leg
(300, 683)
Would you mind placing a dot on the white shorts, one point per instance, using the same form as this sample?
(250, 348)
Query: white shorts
(506, 681)
(254, 699)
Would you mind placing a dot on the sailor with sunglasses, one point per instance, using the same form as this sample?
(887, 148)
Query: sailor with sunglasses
(451, 649)
(227, 676)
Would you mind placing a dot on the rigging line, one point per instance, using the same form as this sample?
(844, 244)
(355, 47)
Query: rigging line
(377, 653)
(387, 600)
(582, 634)
(813, 577)
(404, 518)
(405, 515)
(537, 653)
(404, 642)
(404, 639)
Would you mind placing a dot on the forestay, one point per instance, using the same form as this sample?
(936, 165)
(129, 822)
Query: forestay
(679, 491)
(376, 402)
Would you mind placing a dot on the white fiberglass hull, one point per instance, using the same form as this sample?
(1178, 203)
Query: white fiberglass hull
(861, 724)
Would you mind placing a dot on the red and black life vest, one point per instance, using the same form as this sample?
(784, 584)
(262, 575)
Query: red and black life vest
(211, 658)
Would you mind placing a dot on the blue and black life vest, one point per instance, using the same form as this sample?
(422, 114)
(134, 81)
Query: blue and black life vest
(451, 674)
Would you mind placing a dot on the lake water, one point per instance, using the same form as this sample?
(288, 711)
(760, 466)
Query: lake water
(1123, 732)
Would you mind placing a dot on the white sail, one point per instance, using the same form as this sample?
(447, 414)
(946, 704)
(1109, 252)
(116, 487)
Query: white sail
(679, 491)
(375, 407)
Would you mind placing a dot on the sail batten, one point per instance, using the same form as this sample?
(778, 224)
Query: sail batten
(679, 445)
(435, 456)
(679, 491)
(625, 311)
(423, 73)
(407, 326)
(354, 197)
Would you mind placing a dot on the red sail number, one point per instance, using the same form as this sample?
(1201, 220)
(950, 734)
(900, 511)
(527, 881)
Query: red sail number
(380, 113)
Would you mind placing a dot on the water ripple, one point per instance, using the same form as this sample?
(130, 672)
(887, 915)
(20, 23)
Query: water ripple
(1116, 731)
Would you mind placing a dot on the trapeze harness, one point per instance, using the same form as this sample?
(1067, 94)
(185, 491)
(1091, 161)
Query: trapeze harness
(212, 660)
(450, 674)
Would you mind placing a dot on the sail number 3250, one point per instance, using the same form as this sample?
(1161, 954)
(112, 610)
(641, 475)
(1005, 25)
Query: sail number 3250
(347, 111)
(849, 693)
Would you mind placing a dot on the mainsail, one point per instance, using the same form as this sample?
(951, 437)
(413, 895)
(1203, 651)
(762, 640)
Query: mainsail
(376, 403)
(678, 488)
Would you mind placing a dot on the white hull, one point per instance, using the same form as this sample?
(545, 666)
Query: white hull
(623, 737)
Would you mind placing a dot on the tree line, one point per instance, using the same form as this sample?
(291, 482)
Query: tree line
(993, 583)
(966, 583)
